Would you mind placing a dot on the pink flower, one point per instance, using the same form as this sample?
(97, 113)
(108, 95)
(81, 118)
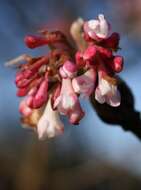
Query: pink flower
(68, 69)
(49, 125)
(107, 92)
(97, 29)
(84, 84)
(67, 103)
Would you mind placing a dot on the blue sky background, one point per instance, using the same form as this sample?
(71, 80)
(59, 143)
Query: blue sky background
(93, 137)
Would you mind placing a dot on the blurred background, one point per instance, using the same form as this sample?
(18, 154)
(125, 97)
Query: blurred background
(93, 155)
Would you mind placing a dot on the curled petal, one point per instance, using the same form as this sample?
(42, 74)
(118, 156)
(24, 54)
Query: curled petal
(104, 27)
(97, 29)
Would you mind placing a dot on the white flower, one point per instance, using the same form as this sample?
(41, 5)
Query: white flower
(97, 28)
(107, 92)
(49, 124)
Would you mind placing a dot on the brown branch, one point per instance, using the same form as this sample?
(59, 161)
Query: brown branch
(125, 115)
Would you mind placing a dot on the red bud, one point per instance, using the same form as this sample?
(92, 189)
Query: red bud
(118, 64)
(35, 41)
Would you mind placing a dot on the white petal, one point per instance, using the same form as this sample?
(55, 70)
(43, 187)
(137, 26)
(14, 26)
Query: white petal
(99, 97)
(49, 124)
(114, 100)
(93, 25)
(104, 86)
(42, 128)
(104, 27)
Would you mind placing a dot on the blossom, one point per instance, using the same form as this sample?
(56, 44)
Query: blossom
(49, 125)
(107, 92)
(68, 102)
(84, 84)
(51, 84)
(97, 29)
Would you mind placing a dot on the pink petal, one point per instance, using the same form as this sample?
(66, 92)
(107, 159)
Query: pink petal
(97, 29)
(84, 84)
(76, 114)
(49, 124)
(89, 53)
(68, 69)
(41, 95)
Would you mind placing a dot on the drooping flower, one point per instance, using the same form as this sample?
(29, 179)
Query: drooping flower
(97, 29)
(84, 84)
(68, 102)
(53, 83)
(107, 92)
(49, 125)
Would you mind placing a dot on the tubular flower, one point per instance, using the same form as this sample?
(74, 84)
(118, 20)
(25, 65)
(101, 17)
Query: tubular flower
(107, 92)
(67, 103)
(85, 83)
(49, 125)
(51, 84)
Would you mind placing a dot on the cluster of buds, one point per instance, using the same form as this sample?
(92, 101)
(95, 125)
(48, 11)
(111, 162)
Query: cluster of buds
(52, 84)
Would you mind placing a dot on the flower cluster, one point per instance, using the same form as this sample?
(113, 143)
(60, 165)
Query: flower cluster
(52, 84)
